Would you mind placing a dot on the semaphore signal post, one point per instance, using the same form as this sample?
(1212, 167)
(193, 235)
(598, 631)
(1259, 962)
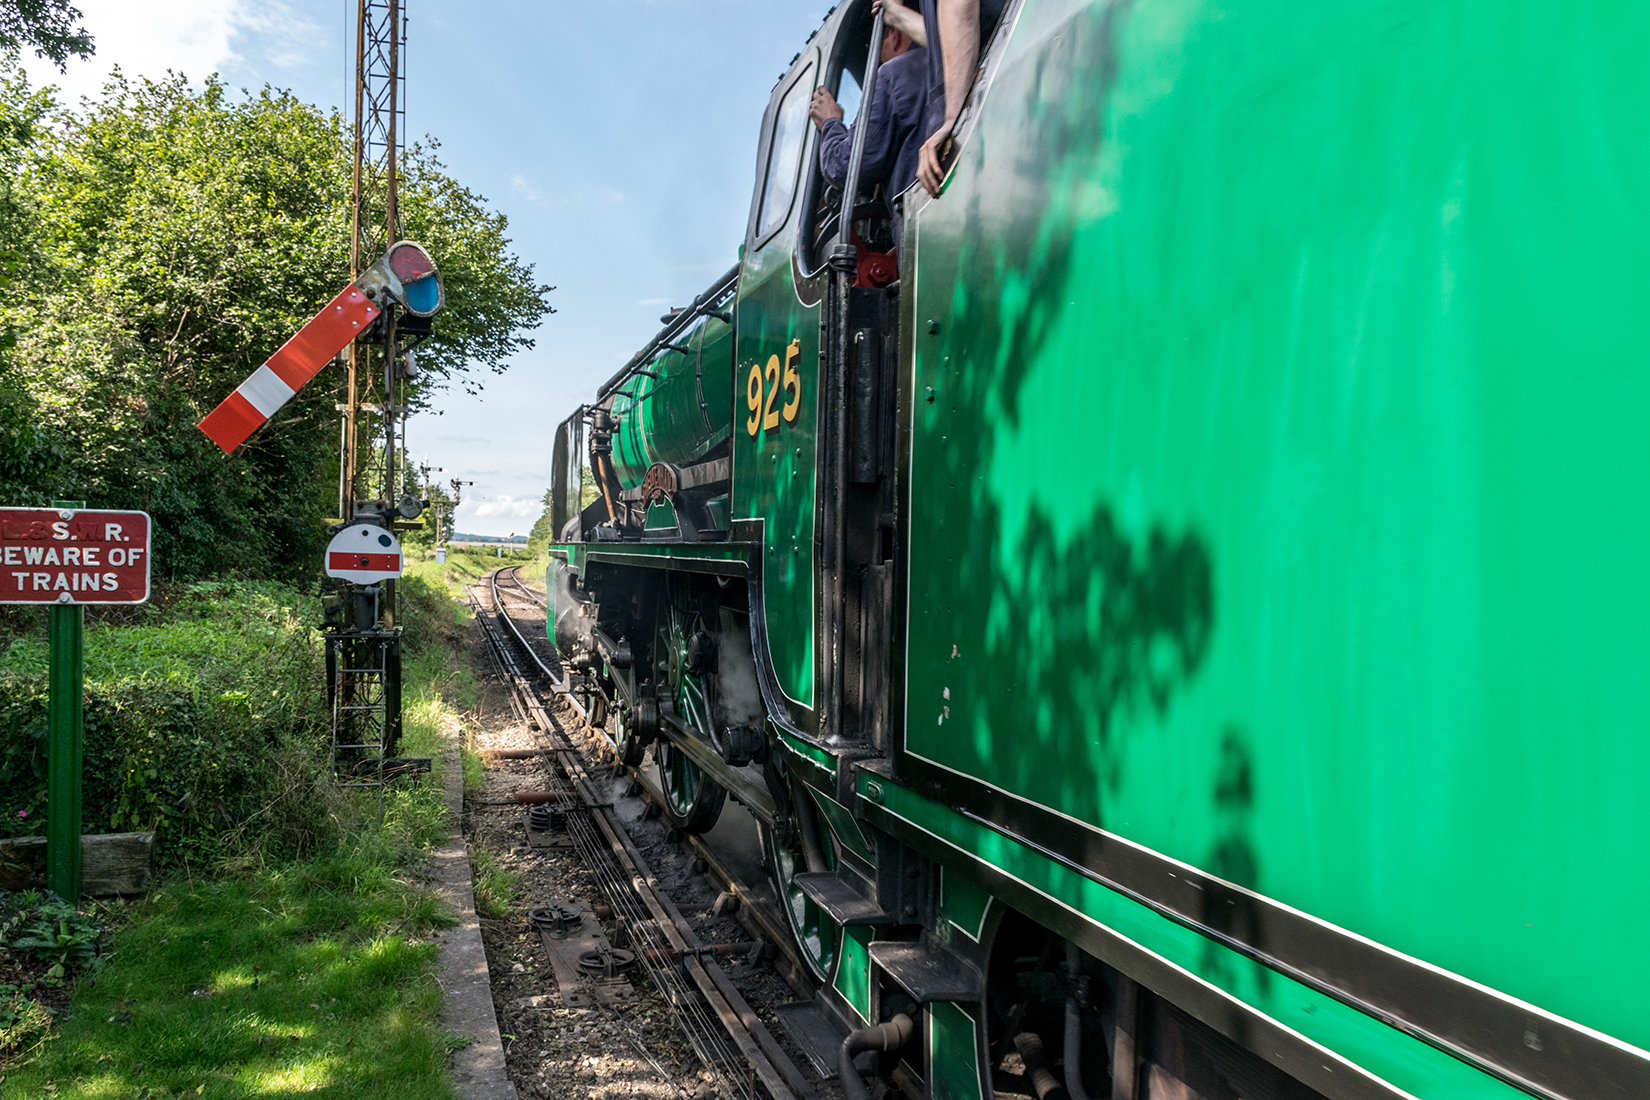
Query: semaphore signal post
(372, 327)
(65, 557)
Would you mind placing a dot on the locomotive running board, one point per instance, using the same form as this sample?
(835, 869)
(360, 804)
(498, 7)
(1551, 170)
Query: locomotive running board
(928, 970)
(817, 1033)
(746, 791)
(841, 899)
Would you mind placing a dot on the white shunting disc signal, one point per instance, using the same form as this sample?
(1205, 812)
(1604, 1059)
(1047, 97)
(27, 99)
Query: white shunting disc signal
(364, 554)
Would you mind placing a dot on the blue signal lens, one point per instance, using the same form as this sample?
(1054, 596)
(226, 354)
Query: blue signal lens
(383, 540)
(423, 297)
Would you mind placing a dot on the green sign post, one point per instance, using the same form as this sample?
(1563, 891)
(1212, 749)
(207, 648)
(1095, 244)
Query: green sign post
(66, 735)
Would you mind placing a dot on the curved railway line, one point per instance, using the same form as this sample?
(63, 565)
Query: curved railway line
(719, 1013)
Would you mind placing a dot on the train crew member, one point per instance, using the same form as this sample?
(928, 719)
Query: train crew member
(956, 25)
(897, 111)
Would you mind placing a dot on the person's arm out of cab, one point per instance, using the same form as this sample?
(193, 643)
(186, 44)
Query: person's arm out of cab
(835, 139)
(959, 22)
(908, 21)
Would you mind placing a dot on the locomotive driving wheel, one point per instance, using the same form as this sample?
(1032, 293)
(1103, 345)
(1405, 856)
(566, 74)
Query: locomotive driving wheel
(693, 800)
(813, 930)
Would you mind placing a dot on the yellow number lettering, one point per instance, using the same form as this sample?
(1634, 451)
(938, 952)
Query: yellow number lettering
(753, 398)
(793, 381)
(770, 415)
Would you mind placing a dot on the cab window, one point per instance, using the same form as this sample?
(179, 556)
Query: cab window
(847, 95)
(784, 154)
(843, 72)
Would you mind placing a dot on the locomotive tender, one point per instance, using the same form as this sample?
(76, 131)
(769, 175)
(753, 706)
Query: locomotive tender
(1184, 637)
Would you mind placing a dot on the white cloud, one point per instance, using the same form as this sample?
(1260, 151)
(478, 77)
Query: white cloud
(193, 37)
(289, 40)
(520, 186)
(523, 507)
(653, 301)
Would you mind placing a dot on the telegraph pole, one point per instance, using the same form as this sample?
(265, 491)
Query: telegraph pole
(458, 498)
(393, 292)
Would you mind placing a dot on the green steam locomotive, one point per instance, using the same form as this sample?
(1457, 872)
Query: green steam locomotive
(1185, 636)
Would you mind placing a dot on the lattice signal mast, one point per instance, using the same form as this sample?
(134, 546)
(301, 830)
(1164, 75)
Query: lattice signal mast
(380, 115)
(363, 641)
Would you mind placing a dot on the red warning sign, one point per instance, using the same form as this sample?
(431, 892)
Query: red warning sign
(364, 554)
(70, 556)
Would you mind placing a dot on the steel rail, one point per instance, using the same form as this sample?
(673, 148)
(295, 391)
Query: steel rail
(758, 800)
(753, 913)
(532, 593)
(498, 604)
(563, 683)
(613, 887)
(752, 795)
(625, 896)
(767, 1062)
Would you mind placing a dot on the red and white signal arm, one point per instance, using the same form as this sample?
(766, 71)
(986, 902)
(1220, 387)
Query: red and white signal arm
(364, 554)
(73, 556)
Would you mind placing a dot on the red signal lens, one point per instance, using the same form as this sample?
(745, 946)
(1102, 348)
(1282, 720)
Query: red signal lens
(410, 262)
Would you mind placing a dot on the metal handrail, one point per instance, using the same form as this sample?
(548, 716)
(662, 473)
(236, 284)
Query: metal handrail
(862, 123)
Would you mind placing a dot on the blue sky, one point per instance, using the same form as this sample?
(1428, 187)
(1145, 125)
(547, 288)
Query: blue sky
(618, 137)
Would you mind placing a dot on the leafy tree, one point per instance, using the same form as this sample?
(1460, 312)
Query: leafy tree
(27, 454)
(542, 533)
(170, 240)
(50, 26)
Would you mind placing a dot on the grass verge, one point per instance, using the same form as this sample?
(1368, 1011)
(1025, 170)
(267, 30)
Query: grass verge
(495, 886)
(286, 978)
(275, 975)
(475, 773)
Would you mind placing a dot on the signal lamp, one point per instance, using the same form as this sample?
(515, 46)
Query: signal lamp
(408, 275)
(421, 290)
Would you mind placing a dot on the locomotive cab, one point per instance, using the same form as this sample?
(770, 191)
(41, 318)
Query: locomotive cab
(844, 77)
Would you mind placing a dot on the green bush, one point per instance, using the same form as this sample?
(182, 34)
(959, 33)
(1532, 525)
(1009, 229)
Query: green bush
(41, 925)
(23, 1020)
(425, 602)
(205, 723)
(163, 239)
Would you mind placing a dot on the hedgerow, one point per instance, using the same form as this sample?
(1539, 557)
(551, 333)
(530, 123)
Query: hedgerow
(206, 723)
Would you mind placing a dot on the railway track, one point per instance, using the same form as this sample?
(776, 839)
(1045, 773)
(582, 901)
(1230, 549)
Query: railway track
(582, 776)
